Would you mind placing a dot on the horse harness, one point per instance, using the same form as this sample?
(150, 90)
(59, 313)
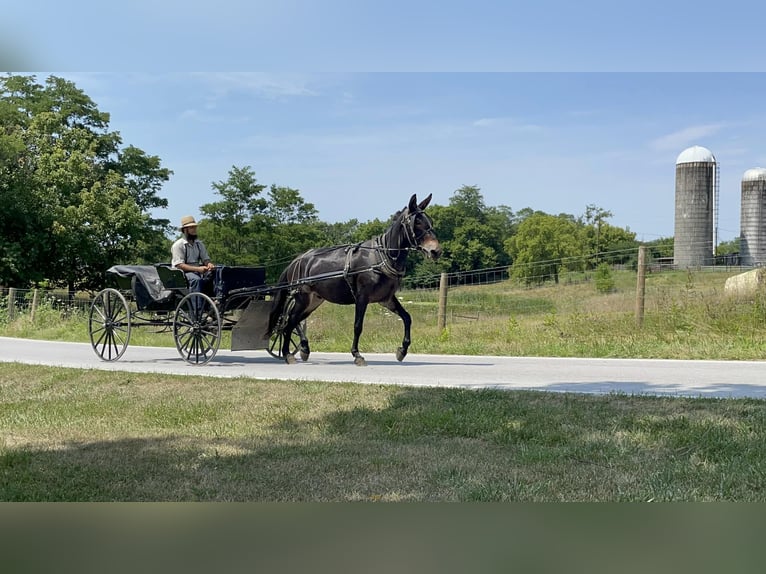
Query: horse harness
(384, 265)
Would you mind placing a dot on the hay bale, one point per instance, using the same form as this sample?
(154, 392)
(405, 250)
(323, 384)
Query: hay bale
(747, 284)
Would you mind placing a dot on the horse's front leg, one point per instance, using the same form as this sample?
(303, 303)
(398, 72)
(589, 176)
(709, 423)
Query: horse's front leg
(394, 305)
(359, 311)
(305, 349)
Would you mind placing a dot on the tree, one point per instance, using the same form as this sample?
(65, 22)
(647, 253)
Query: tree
(339, 233)
(604, 280)
(228, 230)
(660, 248)
(290, 228)
(541, 245)
(728, 247)
(246, 228)
(82, 200)
(471, 233)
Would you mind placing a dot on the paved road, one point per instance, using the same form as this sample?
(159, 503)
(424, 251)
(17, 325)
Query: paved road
(631, 376)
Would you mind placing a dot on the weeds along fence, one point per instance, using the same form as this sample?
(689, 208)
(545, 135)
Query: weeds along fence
(15, 303)
(577, 287)
(622, 284)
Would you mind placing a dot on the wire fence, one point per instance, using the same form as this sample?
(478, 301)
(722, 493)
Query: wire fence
(16, 302)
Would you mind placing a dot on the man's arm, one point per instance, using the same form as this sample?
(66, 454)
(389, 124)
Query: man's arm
(187, 268)
(203, 254)
(177, 260)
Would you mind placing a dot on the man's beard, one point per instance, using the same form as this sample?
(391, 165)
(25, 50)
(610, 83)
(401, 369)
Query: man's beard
(191, 236)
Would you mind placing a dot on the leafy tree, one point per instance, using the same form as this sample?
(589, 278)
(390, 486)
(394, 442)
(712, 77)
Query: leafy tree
(604, 280)
(246, 228)
(728, 247)
(290, 228)
(81, 198)
(594, 218)
(370, 229)
(660, 248)
(471, 233)
(230, 221)
(602, 241)
(541, 246)
(339, 233)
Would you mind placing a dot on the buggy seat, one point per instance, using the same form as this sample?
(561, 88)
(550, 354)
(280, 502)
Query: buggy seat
(151, 292)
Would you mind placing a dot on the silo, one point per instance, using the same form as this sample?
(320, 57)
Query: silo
(752, 244)
(696, 176)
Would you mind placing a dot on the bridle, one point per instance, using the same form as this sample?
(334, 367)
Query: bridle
(387, 263)
(408, 224)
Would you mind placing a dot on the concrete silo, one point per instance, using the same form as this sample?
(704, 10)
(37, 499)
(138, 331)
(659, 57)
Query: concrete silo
(696, 209)
(752, 246)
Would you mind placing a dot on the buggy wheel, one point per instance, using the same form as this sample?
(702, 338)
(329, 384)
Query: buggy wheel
(276, 339)
(197, 329)
(109, 324)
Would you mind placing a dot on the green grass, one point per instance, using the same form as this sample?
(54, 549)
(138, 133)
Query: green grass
(687, 316)
(99, 436)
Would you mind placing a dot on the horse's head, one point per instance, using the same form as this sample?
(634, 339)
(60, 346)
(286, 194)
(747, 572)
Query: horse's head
(419, 228)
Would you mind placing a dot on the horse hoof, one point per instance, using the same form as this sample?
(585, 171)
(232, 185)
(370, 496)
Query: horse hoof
(290, 359)
(360, 362)
(400, 354)
(304, 356)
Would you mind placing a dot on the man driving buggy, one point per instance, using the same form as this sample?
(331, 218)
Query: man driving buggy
(190, 255)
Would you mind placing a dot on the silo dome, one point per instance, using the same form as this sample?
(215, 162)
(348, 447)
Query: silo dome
(752, 242)
(696, 154)
(755, 174)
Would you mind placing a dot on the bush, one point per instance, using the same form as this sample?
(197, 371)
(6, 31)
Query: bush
(604, 279)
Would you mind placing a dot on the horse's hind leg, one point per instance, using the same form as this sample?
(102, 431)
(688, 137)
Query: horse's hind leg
(394, 305)
(293, 310)
(312, 302)
(298, 309)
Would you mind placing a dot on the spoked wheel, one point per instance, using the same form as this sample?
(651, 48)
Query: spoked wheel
(197, 329)
(109, 324)
(276, 339)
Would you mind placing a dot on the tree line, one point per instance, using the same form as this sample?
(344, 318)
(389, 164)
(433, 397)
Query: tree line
(74, 200)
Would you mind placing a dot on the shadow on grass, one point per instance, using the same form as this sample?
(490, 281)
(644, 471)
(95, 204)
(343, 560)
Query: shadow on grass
(426, 445)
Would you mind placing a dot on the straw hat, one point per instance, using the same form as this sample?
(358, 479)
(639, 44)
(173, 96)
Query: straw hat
(187, 221)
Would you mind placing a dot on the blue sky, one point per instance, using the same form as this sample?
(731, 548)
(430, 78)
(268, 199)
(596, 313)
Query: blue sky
(546, 105)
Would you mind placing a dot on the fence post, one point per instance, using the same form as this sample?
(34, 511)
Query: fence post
(442, 316)
(641, 286)
(11, 303)
(34, 304)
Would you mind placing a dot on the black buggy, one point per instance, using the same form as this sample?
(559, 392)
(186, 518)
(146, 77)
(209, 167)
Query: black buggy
(259, 316)
(157, 296)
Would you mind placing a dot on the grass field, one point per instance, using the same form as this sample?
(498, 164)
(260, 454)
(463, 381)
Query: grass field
(88, 435)
(97, 436)
(687, 316)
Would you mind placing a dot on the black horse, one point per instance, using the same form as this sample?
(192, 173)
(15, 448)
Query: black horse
(369, 272)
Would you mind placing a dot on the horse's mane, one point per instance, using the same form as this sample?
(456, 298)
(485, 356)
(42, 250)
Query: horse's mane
(328, 248)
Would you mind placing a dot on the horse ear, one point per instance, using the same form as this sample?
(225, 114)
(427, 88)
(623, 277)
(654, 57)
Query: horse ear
(425, 202)
(413, 202)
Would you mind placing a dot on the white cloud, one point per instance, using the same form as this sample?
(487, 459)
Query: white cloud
(683, 138)
(256, 83)
(506, 123)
